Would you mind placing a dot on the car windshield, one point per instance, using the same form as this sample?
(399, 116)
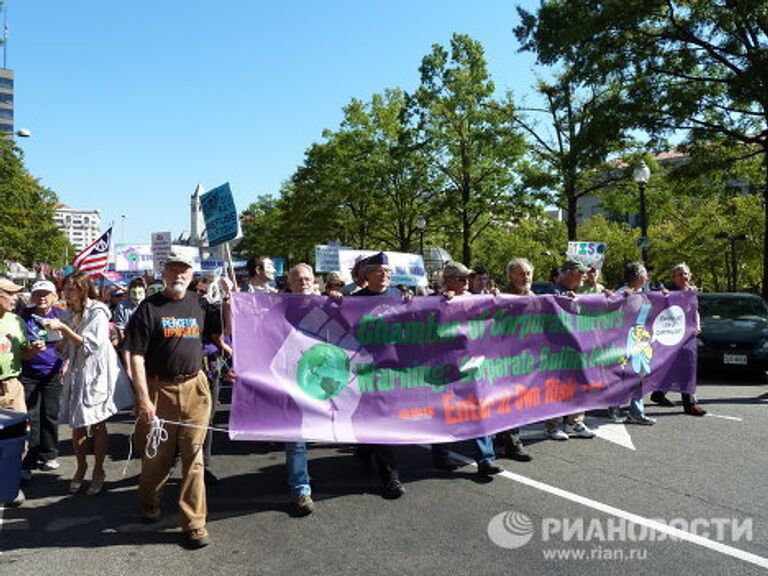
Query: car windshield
(731, 308)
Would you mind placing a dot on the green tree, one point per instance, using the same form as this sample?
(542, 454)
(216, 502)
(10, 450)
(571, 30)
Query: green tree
(541, 240)
(28, 232)
(685, 64)
(470, 138)
(585, 125)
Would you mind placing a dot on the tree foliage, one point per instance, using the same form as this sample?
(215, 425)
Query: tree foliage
(689, 65)
(28, 233)
(470, 137)
(584, 125)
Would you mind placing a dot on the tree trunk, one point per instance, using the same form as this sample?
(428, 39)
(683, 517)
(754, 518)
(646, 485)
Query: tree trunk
(570, 216)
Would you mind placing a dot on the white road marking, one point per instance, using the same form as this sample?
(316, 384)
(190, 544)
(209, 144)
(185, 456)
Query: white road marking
(723, 417)
(614, 432)
(629, 516)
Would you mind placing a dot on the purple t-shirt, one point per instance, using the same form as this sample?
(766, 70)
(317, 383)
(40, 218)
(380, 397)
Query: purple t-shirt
(46, 364)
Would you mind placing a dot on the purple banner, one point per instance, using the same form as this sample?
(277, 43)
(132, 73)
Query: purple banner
(378, 370)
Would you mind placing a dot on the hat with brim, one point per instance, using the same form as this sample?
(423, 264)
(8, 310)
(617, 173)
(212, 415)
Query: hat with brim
(9, 286)
(43, 286)
(455, 270)
(179, 258)
(378, 259)
(570, 265)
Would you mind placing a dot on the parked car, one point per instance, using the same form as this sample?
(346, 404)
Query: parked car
(734, 331)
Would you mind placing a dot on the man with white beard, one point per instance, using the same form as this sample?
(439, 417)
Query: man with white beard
(164, 340)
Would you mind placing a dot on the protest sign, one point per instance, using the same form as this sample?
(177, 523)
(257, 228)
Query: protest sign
(220, 214)
(407, 269)
(590, 253)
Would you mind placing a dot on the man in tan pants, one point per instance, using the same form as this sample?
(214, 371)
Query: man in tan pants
(165, 343)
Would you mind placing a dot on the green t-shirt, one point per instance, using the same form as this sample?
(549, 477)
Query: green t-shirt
(13, 339)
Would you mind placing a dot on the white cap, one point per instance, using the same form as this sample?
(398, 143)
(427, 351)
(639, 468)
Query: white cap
(44, 286)
(180, 258)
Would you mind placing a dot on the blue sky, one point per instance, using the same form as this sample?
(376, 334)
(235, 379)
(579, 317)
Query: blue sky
(132, 104)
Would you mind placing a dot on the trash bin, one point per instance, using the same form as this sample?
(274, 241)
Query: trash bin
(13, 435)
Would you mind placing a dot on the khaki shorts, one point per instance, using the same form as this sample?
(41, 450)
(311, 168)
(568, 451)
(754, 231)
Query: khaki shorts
(12, 395)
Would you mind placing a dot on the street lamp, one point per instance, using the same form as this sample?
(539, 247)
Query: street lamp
(421, 224)
(733, 278)
(641, 175)
(122, 228)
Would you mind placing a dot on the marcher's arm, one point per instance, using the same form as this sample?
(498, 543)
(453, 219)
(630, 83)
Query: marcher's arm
(145, 409)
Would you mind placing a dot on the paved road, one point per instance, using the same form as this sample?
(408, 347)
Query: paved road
(567, 512)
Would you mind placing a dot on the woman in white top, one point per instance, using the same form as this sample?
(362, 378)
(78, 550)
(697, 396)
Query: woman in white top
(89, 381)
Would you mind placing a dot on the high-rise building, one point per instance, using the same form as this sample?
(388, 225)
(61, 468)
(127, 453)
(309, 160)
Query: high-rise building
(6, 100)
(81, 226)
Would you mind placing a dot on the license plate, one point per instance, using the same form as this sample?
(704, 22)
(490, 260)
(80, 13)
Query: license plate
(738, 359)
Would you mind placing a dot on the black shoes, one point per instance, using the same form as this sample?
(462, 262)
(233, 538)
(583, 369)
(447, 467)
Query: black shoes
(517, 452)
(393, 488)
(487, 469)
(660, 399)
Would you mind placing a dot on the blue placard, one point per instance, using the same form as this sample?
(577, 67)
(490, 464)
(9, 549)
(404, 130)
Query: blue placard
(220, 215)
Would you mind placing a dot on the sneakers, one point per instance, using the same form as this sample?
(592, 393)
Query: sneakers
(195, 538)
(660, 398)
(393, 489)
(641, 419)
(579, 430)
(487, 469)
(303, 505)
(695, 410)
(50, 465)
(555, 434)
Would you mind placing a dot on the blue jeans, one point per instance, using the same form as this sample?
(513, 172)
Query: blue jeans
(298, 471)
(483, 450)
(636, 406)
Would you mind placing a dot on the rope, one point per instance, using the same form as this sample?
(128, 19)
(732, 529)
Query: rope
(157, 435)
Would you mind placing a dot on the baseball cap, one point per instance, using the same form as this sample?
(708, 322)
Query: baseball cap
(9, 286)
(44, 286)
(571, 264)
(180, 258)
(455, 270)
(378, 259)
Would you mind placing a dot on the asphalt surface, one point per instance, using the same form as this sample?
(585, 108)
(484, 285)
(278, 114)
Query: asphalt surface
(581, 507)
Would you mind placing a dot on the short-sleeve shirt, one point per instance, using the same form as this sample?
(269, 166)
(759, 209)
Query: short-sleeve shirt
(13, 339)
(45, 364)
(168, 333)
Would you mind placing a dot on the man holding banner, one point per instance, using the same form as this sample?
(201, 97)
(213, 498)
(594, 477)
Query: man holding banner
(377, 275)
(455, 285)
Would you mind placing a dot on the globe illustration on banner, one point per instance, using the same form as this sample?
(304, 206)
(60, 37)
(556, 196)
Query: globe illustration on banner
(323, 371)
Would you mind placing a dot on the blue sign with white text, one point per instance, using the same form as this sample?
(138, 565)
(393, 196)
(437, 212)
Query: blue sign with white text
(220, 215)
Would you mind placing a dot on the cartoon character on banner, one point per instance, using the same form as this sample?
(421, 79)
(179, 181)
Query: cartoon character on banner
(639, 350)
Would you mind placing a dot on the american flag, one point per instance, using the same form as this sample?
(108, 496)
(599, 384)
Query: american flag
(94, 258)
